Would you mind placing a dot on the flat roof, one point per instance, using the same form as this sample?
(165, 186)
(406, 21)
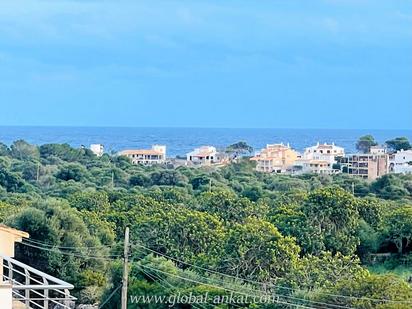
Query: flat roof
(13, 231)
(141, 151)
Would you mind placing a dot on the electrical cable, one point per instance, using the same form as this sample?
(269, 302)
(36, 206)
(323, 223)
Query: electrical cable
(267, 284)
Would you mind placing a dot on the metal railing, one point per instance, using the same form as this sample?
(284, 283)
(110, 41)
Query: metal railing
(35, 289)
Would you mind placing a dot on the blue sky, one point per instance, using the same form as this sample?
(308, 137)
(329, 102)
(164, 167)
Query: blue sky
(273, 64)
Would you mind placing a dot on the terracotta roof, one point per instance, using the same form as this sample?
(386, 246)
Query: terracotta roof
(13, 231)
(140, 152)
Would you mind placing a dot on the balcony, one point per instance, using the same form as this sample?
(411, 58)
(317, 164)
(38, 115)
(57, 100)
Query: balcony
(22, 286)
(32, 288)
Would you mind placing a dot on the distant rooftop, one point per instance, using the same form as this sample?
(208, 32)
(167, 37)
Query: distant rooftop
(141, 151)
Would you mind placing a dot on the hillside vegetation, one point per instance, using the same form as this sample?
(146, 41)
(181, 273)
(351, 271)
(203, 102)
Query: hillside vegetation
(307, 238)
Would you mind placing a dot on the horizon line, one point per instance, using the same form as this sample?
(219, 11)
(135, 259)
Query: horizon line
(200, 127)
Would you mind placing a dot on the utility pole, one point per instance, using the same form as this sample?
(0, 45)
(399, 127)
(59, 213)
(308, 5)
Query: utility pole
(125, 269)
(112, 179)
(353, 188)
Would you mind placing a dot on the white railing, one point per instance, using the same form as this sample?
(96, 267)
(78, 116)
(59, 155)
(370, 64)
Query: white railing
(34, 288)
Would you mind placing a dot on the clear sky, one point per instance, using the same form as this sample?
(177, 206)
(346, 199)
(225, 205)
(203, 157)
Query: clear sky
(266, 63)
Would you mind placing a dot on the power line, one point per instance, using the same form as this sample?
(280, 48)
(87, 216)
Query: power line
(63, 247)
(45, 246)
(164, 280)
(159, 279)
(110, 296)
(106, 258)
(220, 287)
(266, 284)
(285, 296)
(115, 257)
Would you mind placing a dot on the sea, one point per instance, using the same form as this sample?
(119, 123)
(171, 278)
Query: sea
(179, 141)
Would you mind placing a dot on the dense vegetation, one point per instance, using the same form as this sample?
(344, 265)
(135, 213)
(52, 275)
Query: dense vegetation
(307, 238)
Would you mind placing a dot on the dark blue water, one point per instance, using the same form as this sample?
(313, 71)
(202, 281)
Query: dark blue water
(182, 140)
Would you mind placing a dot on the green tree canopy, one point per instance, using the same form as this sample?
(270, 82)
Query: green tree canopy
(256, 250)
(239, 148)
(24, 151)
(192, 236)
(228, 206)
(398, 143)
(332, 213)
(399, 228)
(365, 143)
(370, 292)
(4, 150)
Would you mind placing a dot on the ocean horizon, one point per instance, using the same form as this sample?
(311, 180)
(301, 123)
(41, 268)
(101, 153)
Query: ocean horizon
(182, 140)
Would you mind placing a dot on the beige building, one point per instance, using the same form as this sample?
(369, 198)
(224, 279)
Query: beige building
(275, 158)
(22, 286)
(156, 155)
(8, 237)
(369, 165)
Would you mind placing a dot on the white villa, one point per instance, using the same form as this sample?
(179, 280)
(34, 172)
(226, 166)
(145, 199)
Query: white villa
(97, 149)
(319, 159)
(204, 155)
(156, 155)
(324, 152)
(401, 162)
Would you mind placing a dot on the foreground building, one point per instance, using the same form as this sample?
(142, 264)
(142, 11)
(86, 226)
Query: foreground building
(275, 158)
(156, 155)
(22, 286)
(401, 162)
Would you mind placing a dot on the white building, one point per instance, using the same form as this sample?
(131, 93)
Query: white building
(401, 162)
(156, 155)
(319, 159)
(324, 152)
(377, 150)
(204, 155)
(97, 149)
